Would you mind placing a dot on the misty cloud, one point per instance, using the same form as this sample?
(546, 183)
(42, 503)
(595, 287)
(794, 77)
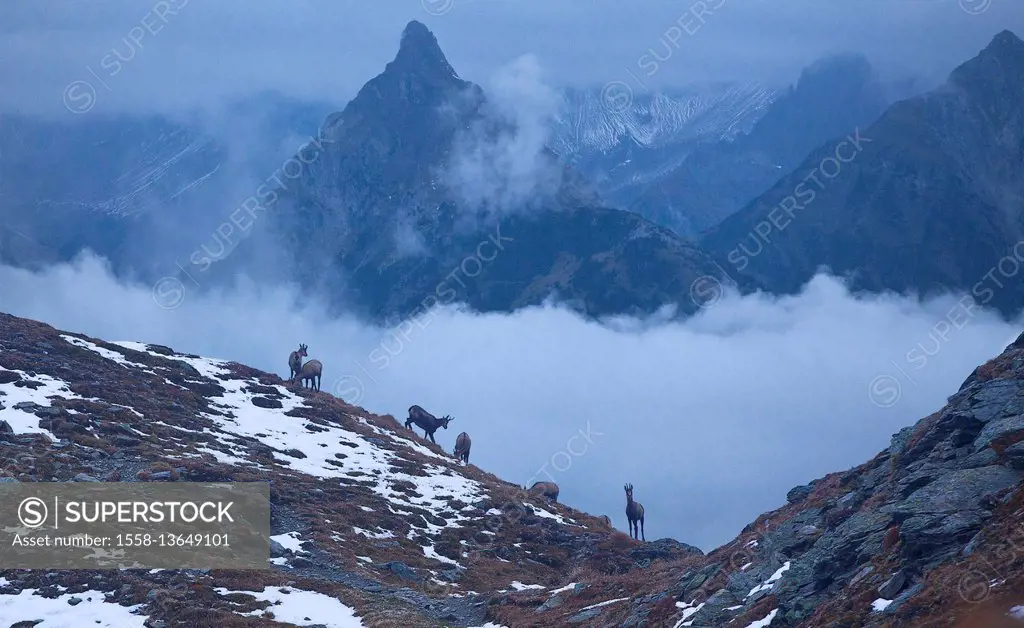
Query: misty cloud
(500, 163)
(712, 419)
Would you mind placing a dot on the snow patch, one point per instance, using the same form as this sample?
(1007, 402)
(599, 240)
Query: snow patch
(605, 603)
(290, 541)
(299, 607)
(880, 605)
(93, 610)
(689, 610)
(23, 422)
(770, 582)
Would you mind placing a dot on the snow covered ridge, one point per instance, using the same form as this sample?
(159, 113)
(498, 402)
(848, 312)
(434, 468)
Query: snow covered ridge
(587, 122)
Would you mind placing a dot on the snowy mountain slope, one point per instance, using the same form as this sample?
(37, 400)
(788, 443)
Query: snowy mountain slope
(373, 526)
(366, 515)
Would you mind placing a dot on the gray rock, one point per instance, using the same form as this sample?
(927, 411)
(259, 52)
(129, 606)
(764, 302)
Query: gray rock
(74, 600)
(84, 477)
(584, 616)
(403, 571)
(302, 562)
(276, 549)
(798, 493)
(863, 573)
(1014, 455)
(551, 603)
(972, 544)
(984, 458)
(5, 428)
(997, 428)
(906, 595)
(848, 500)
(958, 491)
(893, 585)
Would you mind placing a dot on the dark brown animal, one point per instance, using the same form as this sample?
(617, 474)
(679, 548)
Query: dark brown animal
(544, 489)
(295, 362)
(634, 515)
(462, 445)
(426, 421)
(311, 372)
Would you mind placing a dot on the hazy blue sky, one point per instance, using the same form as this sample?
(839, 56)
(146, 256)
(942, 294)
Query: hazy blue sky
(200, 51)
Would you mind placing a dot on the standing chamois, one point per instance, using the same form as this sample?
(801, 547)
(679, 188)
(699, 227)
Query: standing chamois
(311, 372)
(462, 445)
(428, 422)
(634, 515)
(295, 362)
(544, 489)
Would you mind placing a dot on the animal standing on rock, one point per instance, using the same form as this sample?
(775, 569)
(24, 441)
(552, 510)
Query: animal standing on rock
(311, 372)
(544, 489)
(634, 515)
(462, 445)
(295, 361)
(428, 422)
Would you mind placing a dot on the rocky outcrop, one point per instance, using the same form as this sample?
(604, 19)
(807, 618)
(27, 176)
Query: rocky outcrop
(926, 529)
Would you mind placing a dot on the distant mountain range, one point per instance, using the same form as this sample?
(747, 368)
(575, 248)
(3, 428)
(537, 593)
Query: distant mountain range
(421, 176)
(931, 200)
(123, 184)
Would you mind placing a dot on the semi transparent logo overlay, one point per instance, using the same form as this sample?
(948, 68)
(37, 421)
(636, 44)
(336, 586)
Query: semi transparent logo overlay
(123, 525)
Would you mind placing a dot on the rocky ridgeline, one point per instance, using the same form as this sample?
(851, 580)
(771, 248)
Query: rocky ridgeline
(374, 526)
(928, 533)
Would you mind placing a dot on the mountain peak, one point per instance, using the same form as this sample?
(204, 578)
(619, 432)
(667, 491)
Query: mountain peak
(1005, 39)
(996, 69)
(419, 52)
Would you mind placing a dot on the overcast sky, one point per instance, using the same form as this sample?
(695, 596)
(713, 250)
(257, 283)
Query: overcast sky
(200, 51)
(712, 420)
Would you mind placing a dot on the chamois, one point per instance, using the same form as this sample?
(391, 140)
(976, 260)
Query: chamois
(545, 489)
(462, 445)
(428, 422)
(634, 515)
(311, 372)
(295, 361)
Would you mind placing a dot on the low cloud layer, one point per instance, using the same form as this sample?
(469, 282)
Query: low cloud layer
(712, 420)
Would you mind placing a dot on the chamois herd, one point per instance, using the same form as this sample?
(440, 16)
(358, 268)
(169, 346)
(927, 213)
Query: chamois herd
(312, 370)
